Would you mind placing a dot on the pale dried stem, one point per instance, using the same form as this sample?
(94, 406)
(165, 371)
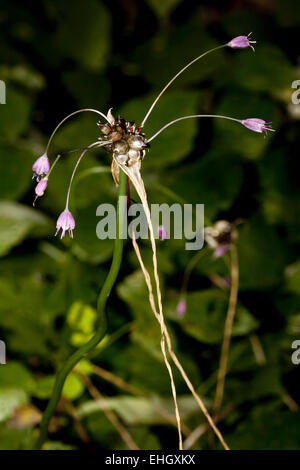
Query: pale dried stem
(120, 383)
(257, 349)
(71, 410)
(112, 417)
(136, 179)
(290, 403)
(200, 430)
(227, 329)
(173, 355)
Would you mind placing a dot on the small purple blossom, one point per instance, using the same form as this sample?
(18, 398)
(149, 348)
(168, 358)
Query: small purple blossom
(241, 42)
(221, 250)
(41, 166)
(257, 125)
(40, 188)
(65, 222)
(162, 232)
(181, 308)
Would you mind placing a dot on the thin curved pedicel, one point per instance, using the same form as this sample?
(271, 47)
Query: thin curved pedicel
(66, 221)
(175, 77)
(250, 123)
(69, 116)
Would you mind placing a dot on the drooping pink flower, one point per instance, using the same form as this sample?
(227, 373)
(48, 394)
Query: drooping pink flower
(41, 166)
(257, 125)
(162, 233)
(181, 307)
(65, 222)
(40, 188)
(241, 42)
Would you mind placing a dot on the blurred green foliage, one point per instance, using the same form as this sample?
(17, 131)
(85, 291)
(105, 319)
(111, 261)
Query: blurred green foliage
(59, 56)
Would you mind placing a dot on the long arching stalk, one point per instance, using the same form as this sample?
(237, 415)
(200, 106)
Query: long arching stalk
(227, 329)
(102, 320)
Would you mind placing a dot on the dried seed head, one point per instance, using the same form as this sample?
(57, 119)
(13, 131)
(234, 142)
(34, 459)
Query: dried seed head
(136, 142)
(122, 158)
(105, 128)
(115, 136)
(120, 147)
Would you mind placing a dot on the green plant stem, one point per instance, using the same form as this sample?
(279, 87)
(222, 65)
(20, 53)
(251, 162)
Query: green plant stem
(102, 320)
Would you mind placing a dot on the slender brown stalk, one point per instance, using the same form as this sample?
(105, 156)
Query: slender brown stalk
(120, 383)
(71, 410)
(112, 417)
(227, 329)
(200, 430)
(257, 349)
(135, 177)
(170, 349)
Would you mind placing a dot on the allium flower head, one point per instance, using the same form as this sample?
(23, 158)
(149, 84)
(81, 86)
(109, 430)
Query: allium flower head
(257, 125)
(65, 222)
(41, 166)
(162, 232)
(181, 308)
(240, 42)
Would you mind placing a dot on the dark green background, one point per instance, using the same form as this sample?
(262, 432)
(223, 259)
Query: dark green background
(58, 56)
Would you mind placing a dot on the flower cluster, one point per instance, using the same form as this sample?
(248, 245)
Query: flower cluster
(127, 144)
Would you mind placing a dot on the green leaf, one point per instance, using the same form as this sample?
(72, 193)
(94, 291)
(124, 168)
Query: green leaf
(234, 136)
(15, 171)
(146, 333)
(292, 277)
(205, 316)
(216, 170)
(267, 431)
(81, 319)
(16, 439)
(83, 33)
(163, 7)
(18, 221)
(10, 399)
(24, 75)
(15, 375)
(261, 73)
(73, 387)
(169, 52)
(261, 255)
(138, 410)
(14, 115)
